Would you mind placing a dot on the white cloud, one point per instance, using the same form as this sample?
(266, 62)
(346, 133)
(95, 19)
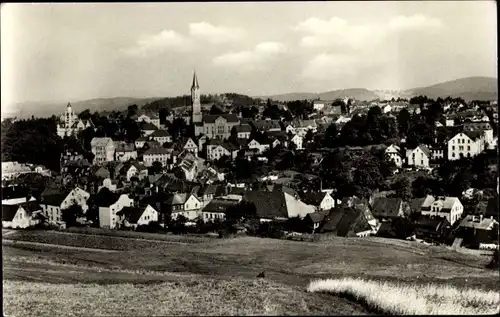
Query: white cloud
(251, 59)
(417, 21)
(215, 34)
(157, 43)
(330, 66)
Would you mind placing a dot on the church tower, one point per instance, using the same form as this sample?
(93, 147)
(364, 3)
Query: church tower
(195, 101)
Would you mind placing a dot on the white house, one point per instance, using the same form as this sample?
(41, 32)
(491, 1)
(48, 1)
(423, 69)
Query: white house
(253, 144)
(318, 104)
(394, 154)
(465, 144)
(152, 118)
(297, 140)
(320, 200)
(109, 204)
(161, 136)
(53, 204)
(159, 154)
(216, 151)
(302, 126)
(243, 131)
(103, 150)
(386, 108)
(137, 216)
(148, 128)
(449, 207)
(189, 145)
(187, 205)
(419, 156)
(20, 215)
(133, 169)
(139, 143)
(125, 152)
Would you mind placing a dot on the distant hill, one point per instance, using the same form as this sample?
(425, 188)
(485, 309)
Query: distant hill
(48, 108)
(470, 88)
(357, 93)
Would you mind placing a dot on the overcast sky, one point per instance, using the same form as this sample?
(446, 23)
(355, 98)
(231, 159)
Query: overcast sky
(81, 51)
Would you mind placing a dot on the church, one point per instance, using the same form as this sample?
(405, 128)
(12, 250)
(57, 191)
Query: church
(213, 126)
(69, 123)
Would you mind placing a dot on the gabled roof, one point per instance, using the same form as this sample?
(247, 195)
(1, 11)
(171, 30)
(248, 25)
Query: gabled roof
(104, 198)
(160, 134)
(266, 124)
(125, 147)
(148, 126)
(317, 217)
(484, 224)
(416, 205)
(243, 127)
(384, 207)
(276, 134)
(347, 221)
(219, 205)
(473, 135)
(132, 214)
(268, 205)
(425, 149)
(55, 199)
(9, 212)
(142, 139)
(156, 151)
(229, 117)
(313, 198)
(177, 199)
(100, 141)
(208, 190)
(432, 223)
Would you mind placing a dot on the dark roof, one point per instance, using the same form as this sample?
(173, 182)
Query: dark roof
(152, 144)
(313, 198)
(31, 206)
(243, 127)
(125, 147)
(210, 118)
(148, 126)
(160, 134)
(156, 150)
(416, 205)
(276, 134)
(104, 198)
(347, 221)
(54, 199)
(431, 223)
(473, 134)
(268, 204)
(132, 214)
(384, 207)
(208, 189)
(237, 191)
(219, 205)
(492, 208)
(9, 212)
(266, 124)
(316, 217)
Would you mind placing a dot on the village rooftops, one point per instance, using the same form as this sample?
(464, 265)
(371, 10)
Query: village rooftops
(313, 198)
(478, 222)
(210, 118)
(219, 205)
(387, 207)
(131, 214)
(244, 127)
(160, 134)
(148, 126)
(157, 151)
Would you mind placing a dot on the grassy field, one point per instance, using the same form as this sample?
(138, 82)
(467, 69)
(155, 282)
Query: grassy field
(400, 299)
(287, 264)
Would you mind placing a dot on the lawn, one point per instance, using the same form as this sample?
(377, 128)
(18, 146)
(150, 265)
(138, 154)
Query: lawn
(288, 264)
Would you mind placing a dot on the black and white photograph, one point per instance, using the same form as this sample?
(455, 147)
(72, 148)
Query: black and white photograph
(314, 158)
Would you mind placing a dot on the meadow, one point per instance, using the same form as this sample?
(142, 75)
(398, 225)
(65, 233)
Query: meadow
(289, 266)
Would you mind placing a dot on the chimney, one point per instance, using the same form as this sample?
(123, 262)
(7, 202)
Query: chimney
(481, 218)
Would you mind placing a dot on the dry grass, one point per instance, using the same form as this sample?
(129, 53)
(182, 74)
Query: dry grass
(192, 297)
(400, 299)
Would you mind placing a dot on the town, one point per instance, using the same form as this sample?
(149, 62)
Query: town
(418, 169)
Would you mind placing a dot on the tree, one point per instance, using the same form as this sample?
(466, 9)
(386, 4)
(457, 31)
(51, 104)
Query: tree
(403, 122)
(85, 114)
(71, 214)
(156, 168)
(132, 110)
(403, 188)
(216, 110)
(132, 130)
(309, 136)
(241, 212)
(163, 113)
(178, 128)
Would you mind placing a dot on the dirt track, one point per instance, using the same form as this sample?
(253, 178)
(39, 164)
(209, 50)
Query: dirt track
(17, 242)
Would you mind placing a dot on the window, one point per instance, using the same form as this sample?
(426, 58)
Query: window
(461, 147)
(422, 162)
(468, 141)
(453, 148)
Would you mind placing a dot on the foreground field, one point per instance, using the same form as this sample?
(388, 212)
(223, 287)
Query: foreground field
(398, 299)
(287, 265)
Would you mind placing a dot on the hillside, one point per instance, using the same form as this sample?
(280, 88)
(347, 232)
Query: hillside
(470, 88)
(357, 93)
(48, 108)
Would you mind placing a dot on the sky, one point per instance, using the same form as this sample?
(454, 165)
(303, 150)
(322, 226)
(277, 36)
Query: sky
(74, 52)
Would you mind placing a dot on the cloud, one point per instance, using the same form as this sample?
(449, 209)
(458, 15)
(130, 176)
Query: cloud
(416, 21)
(215, 34)
(153, 44)
(251, 59)
(339, 33)
(329, 66)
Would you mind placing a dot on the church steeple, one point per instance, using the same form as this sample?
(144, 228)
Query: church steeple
(195, 81)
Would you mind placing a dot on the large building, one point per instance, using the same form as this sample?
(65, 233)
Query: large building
(70, 124)
(103, 150)
(213, 126)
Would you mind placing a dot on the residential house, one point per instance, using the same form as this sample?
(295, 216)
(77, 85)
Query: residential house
(243, 131)
(320, 200)
(394, 154)
(217, 209)
(103, 150)
(266, 125)
(139, 143)
(137, 216)
(418, 156)
(319, 104)
(476, 230)
(416, 205)
(148, 128)
(432, 228)
(449, 207)
(152, 118)
(437, 153)
(191, 165)
(210, 175)
(107, 204)
(161, 136)
(206, 193)
(183, 204)
(188, 144)
(11, 170)
(53, 204)
(260, 146)
(386, 209)
(159, 154)
(314, 220)
(277, 138)
(20, 215)
(125, 151)
(132, 169)
(465, 144)
(349, 221)
(301, 127)
(276, 205)
(298, 140)
(217, 126)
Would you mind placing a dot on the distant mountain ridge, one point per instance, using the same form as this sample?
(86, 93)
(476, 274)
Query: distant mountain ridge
(469, 88)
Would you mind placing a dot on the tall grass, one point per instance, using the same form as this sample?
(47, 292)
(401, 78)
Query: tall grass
(399, 299)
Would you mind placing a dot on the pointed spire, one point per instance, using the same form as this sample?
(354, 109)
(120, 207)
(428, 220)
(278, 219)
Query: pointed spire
(195, 81)
(69, 105)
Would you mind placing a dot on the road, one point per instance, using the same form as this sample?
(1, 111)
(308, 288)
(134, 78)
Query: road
(17, 242)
